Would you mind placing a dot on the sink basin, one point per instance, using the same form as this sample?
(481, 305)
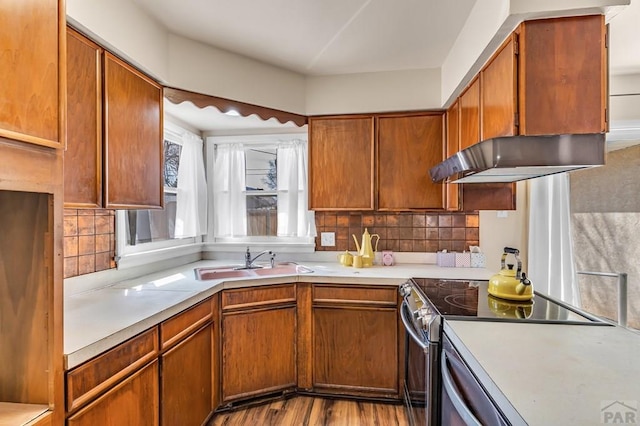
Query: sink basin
(221, 272)
(289, 268)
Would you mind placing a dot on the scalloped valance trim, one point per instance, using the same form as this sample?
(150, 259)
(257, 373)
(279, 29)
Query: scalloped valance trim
(178, 96)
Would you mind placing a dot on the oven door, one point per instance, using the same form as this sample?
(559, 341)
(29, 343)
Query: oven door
(421, 372)
(464, 400)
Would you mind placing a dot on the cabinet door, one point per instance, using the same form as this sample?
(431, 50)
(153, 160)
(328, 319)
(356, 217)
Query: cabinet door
(83, 156)
(258, 352)
(407, 147)
(453, 146)
(470, 115)
(341, 162)
(563, 76)
(355, 350)
(132, 402)
(187, 380)
(133, 137)
(32, 39)
(499, 93)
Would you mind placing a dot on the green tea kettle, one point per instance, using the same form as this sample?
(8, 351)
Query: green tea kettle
(511, 284)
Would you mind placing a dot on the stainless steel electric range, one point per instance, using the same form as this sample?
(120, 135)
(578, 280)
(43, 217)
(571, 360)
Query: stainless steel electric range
(427, 301)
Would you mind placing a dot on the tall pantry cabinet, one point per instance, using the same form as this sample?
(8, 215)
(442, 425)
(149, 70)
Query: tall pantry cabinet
(32, 135)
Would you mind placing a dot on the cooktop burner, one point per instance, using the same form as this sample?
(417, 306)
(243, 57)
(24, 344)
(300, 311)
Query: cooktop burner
(470, 299)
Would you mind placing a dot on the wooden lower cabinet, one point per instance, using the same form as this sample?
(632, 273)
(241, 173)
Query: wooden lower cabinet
(355, 343)
(186, 380)
(258, 352)
(132, 402)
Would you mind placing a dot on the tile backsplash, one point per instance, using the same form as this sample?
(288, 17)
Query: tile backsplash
(405, 232)
(89, 241)
(89, 235)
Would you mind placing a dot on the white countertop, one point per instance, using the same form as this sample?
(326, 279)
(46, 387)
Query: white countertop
(99, 319)
(554, 374)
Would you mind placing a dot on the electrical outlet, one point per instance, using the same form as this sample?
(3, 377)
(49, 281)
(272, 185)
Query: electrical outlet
(502, 214)
(327, 239)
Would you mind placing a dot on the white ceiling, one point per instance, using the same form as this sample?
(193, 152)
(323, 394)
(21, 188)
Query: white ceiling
(323, 37)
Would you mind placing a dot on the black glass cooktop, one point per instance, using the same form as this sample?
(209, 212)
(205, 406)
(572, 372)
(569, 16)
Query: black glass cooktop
(470, 299)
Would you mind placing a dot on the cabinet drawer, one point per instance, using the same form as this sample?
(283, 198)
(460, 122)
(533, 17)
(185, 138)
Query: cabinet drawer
(258, 296)
(91, 379)
(183, 324)
(341, 294)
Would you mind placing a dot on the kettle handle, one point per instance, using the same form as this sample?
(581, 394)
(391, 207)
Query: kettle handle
(515, 252)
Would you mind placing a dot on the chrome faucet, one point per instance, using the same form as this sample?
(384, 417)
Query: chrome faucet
(248, 261)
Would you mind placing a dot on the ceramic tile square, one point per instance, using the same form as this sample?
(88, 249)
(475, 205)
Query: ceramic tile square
(472, 233)
(319, 220)
(419, 234)
(355, 220)
(86, 225)
(405, 233)
(405, 220)
(343, 244)
(392, 220)
(380, 219)
(102, 261)
(432, 233)
(342, 221)
(419, 245)
(472, 221)
(432, 220)
(458, 233)
(70, 266)
(70, 225)
(368, 220)
(104, 224)
(431, 246)
(419, 220)
(70, 212)
(393, 233)
(86, 212)
(458, 220)
(458, 245)
(86, 264)
(393, 245)
(444, 233)
(86, 244)
(406, 245)
(330, 220)
(444, 220)
(70, 246)
(444, 245)
(103, 243)
(343, 233)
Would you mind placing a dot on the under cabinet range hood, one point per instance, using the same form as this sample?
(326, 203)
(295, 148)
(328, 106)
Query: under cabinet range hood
(514, 158)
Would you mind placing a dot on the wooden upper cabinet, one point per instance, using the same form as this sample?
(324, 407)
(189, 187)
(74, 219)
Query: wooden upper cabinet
(469, 115)
(452, 120)
(341, 163)
(563, 76)
(498, 101)
(407, 147)
(83, 156)
(32, 71)
(133, 137)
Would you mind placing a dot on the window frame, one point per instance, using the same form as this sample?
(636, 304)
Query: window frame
(145, 253)
(213, 243)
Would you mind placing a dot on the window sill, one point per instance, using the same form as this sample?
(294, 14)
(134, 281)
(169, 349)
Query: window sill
(131, 260)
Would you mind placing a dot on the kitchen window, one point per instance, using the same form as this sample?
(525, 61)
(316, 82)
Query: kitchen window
(258, 190)
(145, 236)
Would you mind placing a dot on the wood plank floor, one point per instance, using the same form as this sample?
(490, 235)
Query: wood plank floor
(310, 411)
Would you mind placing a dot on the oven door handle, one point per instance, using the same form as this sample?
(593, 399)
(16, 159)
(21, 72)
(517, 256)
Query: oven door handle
(461, 408)
(404, 309)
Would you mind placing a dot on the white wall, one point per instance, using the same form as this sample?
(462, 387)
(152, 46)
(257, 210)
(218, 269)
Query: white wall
(373, 92)
(123, 27)
(496, 232)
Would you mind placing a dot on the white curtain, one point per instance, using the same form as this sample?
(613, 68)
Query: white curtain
(229, 191)
(294, 217)
(191, 209)
(551, 263)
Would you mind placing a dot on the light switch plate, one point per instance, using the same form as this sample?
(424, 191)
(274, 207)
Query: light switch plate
(327, 239)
